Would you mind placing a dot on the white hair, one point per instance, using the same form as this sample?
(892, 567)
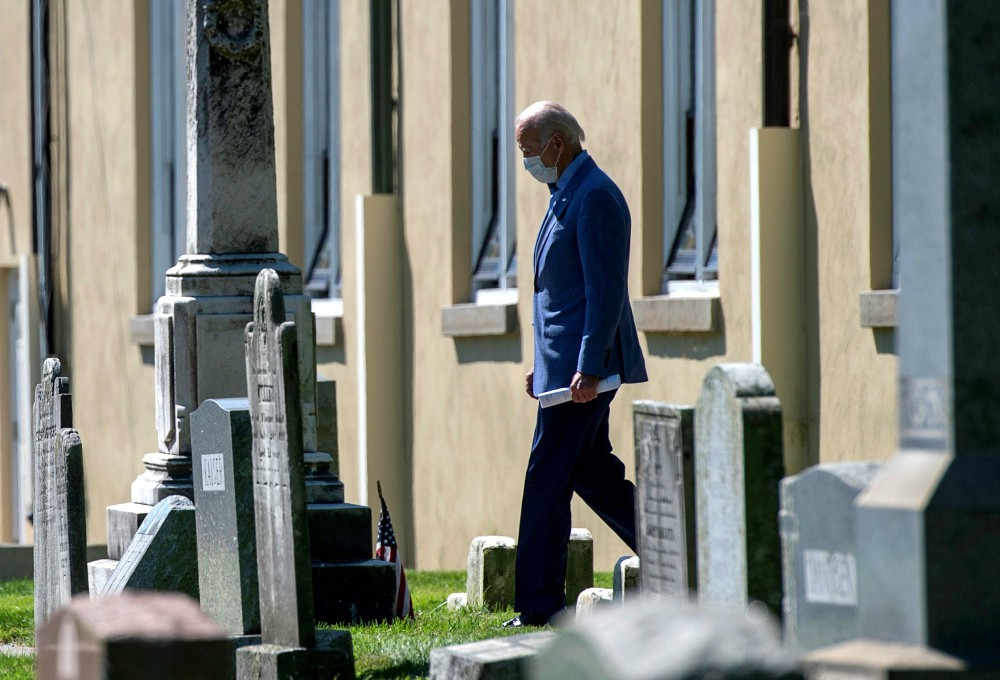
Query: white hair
(547, 118)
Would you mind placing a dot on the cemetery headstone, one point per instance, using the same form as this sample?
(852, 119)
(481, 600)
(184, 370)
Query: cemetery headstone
(579, 564)
(130, 636)
(625, 578)
(60, 554)
(591, 599)
(819, 553)
(738, 466)
(162, 555)
(665, 515)
(651, 639)
(490, 572)
(221, 442)
(288, 635)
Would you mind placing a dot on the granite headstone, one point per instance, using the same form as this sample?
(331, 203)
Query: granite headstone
(163, 554)
(665, 516)
(819, 553)
(60, 554)
(221, 441)
(738, 466)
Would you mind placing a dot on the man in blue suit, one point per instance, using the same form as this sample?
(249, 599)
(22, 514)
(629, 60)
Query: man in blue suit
(583, 331)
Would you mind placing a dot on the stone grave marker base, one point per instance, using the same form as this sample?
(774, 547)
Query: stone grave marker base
(497, 659)
(124, 519)
(876, 660)
(331, 657)
(354, 592)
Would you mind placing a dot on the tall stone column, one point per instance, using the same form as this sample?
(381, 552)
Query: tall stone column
(232, 234)
(929, 526)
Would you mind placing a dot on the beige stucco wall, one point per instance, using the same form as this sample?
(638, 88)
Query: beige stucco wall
(848, 196)
(15, 176)
(105, 268)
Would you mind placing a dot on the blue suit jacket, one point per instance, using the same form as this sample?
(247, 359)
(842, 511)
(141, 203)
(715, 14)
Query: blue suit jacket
(581, 313)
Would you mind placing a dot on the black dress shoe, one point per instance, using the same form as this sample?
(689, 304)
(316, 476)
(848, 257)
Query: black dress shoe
(522, 620)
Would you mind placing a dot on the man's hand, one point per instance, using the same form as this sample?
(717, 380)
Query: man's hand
(529, 383)
(583, 387)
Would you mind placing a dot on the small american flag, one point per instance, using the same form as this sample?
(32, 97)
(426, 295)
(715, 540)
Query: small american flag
(387, 551)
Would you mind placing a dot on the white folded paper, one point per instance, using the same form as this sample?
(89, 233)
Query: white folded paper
(562, 395)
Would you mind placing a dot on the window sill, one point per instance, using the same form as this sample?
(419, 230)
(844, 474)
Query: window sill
(681, 312)
(879, 308)
(329, 314)
(140, 330)
(479, 319)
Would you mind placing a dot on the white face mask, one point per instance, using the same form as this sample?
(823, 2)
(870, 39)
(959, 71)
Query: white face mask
(540, 171)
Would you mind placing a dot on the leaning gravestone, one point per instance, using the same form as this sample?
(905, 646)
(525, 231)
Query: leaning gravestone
(819, 553)
(290, 644)
(664, 463)
(221, 442)
(131, 636)
(162, 555)
(652, 639)
(739, 464)
(60, 516)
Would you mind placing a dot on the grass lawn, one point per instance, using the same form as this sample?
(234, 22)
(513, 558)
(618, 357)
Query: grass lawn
(397, 650)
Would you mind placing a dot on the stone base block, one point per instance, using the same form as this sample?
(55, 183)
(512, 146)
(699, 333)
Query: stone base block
(874, 660)
(591, 599)
(332, 657)
(626, 578)
(497, 659)
(123, 521)
(354, 592)
(457, 601)
(490, 572)
(98, 573)
(340, 531)
(579, 564)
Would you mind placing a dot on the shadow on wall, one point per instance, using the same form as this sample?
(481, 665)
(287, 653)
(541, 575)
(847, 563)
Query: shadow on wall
(505, 348)
(690, 345)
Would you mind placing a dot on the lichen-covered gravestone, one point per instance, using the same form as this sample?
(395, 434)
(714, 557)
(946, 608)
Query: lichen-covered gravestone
(60, 554)
(664, 463)
(738, 464)
(291, 646)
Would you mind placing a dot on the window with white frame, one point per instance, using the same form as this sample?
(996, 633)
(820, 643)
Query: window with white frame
(494, 254)
(168, 86)
(690, 243)
(321, 147)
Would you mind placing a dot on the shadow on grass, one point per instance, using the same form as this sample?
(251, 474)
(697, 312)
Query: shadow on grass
(405, 669)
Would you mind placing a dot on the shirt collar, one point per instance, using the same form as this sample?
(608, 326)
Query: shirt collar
(568, 173)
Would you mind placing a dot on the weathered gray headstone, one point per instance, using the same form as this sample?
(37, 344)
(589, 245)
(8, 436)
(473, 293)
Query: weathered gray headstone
(60, 517)
(652, 639)
(591, 599)
(928, 526)
(130, 636)
(289, 640)
(579, 564)
(738, 466)
(497, 659)
(664, 470)
(221, 442)
(820, 553)
(163, 554)
(278, 478)
(489, 579)
(625, 579)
